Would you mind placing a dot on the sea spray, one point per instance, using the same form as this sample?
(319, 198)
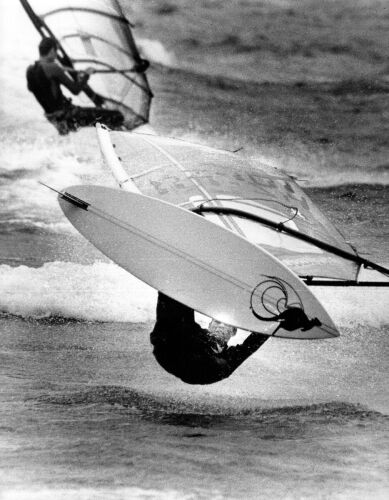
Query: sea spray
(154, 51)
(105, 292)
(57, 162)
(98, 292)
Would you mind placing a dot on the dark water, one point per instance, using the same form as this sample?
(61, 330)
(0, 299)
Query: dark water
(85, 410)
(86, 413)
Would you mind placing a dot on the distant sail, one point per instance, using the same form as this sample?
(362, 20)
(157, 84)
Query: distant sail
(95, 33)
(189, 175)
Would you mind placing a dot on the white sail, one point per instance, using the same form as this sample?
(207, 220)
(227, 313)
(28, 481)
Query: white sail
(191, 175)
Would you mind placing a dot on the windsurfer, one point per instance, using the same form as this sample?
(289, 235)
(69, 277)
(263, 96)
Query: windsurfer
(44, 80)
(194, 354)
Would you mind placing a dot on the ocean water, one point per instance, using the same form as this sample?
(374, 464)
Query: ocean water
(86, 412)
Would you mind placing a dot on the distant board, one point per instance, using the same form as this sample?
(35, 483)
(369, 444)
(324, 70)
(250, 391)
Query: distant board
(207, 267)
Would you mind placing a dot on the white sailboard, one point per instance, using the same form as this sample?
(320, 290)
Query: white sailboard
(189, 258)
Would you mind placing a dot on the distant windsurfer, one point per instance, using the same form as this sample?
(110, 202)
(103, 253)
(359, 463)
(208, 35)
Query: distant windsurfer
(194, 354)
(44, 80)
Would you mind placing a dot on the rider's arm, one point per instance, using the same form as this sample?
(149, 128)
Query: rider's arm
(75, 87)
(235, 355)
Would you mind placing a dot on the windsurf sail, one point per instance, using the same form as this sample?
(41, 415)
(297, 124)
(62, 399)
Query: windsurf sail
(236, 192)
(96, 33)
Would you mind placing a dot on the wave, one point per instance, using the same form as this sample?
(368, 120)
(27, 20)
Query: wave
(57, 162)
(173, 408)
(98, 292)
(156, 52)
(352, 307)
(31, 157)
(105, 292)
(31, 226)
(98, 493)
(315, 169)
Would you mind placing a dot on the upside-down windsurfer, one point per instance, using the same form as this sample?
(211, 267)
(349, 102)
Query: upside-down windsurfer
(194, 354)
(44, 80)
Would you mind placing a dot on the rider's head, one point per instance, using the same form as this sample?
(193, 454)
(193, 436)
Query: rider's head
(48, 48)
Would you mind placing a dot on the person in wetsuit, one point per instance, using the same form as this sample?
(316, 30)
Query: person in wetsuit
(44, 80)
(194, 354)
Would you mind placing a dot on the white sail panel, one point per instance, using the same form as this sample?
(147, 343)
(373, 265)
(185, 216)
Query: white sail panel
(189, 175)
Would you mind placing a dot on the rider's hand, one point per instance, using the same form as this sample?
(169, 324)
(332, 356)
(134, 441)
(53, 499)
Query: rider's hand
(82, 76)
(90, 71)
(86, 73)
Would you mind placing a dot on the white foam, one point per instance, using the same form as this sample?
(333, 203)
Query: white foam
(314, 169)
(58, 163)
(154, 51)
(105, 292)
(55, 227)
(357, 306)
(97, 292)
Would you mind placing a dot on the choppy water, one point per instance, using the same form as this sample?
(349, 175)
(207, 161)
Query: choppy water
(85, 410)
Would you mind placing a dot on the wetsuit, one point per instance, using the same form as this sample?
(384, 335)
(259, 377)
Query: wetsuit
(44, 80)
(193, 354)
